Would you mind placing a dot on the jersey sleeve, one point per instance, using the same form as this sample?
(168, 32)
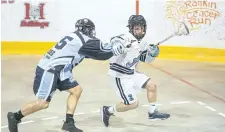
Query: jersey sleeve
(122, 39)
(95, 49)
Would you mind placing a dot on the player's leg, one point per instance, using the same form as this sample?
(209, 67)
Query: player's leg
(73, 99)
(44, 87)
(154, 114)
(142, 81)
(75, 91)
(127, 94)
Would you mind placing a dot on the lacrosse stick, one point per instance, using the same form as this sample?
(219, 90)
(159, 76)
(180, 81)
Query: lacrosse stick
(180, 29)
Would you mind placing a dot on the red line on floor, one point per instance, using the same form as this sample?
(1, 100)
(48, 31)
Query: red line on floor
(188, 83)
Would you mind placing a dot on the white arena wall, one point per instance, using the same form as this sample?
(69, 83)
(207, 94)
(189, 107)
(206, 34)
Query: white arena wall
(33, 26)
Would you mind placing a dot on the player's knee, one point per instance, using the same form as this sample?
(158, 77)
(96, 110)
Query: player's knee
(76, 91)
(43, 104)
(151, 86)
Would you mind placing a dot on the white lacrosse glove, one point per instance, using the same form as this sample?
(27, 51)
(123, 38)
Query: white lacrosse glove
(153, 50)
(118, 48)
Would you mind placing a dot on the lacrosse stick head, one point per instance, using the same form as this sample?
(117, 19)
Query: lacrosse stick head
(181, 29)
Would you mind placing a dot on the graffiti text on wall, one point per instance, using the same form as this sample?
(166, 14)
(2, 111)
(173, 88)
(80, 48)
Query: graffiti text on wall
(195, 12)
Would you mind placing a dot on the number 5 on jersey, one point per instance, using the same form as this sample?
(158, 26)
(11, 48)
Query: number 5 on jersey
(59, 45)
(63, 42)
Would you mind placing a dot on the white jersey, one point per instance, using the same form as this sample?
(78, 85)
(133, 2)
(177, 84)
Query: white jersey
(64, 53)
(124, 65)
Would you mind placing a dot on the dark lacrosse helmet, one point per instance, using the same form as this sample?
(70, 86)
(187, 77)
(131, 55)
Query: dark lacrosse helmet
(86, 26)
(137, 20)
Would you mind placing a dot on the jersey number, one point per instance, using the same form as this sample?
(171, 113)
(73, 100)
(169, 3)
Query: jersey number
(63, 42)
(59, 46)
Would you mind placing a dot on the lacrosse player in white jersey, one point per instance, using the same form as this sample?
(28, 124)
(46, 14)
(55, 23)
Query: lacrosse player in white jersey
(125, 78)
(54, 71)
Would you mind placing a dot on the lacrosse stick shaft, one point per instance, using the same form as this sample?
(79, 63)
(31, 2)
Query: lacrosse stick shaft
(182, 27)
(167, 38)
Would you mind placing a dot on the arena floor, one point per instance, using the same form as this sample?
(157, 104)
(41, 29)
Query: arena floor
(192, 92)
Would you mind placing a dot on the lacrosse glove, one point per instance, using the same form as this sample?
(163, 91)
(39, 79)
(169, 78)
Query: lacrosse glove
(153, 50)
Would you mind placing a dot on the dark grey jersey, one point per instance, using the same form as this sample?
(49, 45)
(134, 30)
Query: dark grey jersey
(72, 49)
(65, 52)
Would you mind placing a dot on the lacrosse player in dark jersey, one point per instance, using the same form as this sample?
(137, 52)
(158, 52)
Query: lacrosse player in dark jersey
(54, 71)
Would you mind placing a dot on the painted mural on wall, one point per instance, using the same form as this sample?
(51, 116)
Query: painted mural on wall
(198, 14)
(195, 12)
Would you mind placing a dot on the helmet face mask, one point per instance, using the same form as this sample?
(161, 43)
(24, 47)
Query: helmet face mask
(138, 31)
(86, 26)
(137, 26)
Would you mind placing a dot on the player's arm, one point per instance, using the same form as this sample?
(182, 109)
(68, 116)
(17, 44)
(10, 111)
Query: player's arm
(92, 49)
(120, 45)
(150, 53)
(95, 49)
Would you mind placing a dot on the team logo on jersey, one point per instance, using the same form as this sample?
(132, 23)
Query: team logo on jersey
(135, 61)
(34, 16)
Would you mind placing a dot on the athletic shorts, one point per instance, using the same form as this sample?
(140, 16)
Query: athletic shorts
(46, 83)
(127, 88)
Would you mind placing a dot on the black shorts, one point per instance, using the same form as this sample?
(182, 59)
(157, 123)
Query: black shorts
(46, 83)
